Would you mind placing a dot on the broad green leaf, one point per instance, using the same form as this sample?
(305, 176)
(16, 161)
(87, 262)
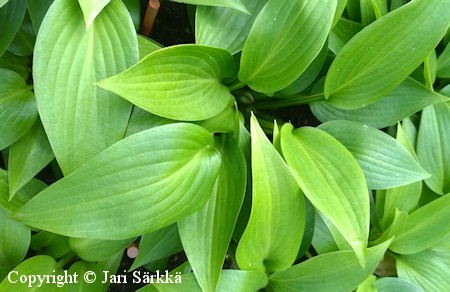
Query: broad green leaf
(443, 63)
(180, 82)
(286, 37)
(25, 194)
(384, 53)
(429, 69)
(11, 16)
(380, 7)
(81, 268)
(397, 3)
(384, 161)
(24, 40)
(91, 9)
(206, 234)
(224, 27)
(142, 120)
(323, 241)
(234, 4)
(433, 147)
(278, 210)
(354, 10)
(367, 12)
(424, 228)
(27, 157)
(3, 2)
(37, 10)
(111, 265)
(366, 285)
(146, 46)
(396, 227)
(14, 242)
(15, 63)
(51, 244)
(95, 250)
(309, 75)
(37, 265)
(17, 107)
(230, 280)
(157, 245)
(391, 284)
(427, 270)
(68, 60)
(337, 190)
(134, 8)
(408, 98)
(336, 271)
(142, 183)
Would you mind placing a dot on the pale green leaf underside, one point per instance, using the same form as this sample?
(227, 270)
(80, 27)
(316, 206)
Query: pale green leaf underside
(277, 212)
(225, 28)
(17, 107)
(420, 234)
(80, 119)
(428, 269)
(336, 271)
(142, 183)
(286, 37)
(180, 82)
(332, 180)
(384, 53)
(91, 9)
(433, 146)
(206, 234)
(406, 99)
(385, 162)
(234, 4)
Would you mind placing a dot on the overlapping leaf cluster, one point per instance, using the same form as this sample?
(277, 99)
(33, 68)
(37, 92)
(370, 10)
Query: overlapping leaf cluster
(169, 147)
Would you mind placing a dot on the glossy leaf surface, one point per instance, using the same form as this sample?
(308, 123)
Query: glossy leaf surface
(336, 271)
(80, 119)
(384, 53)
(179, 82)
(286, 37)
(206, 234)
(142, 183)
(424, 228)
(408, 98)
(17, 107)
(433, 147)
(337, 190)
(278, 211)
(385, 162)
(11, 16)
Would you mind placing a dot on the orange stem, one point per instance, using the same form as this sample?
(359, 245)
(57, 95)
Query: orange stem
(149, 18)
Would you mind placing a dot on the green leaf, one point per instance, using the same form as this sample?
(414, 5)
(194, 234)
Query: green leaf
(68, 60)
(3, 2)
(396, 227)
(142, 120)
(284, 40)
(37, 10)
(420, 234)
(37, 265)
(342, 33)
(230, 280)
(184, 82)
(428, 269)
(50, 244)
(27, 157)
(91, 9)
(408, 98)
(336, 271)
(385, 162)
(234, 4)
(206, 234)
(25, 194)
(95, 250)
(23, 43)
(323, 241)
(384, 53)
(134, 8)
(278, 211)
(17, 107)
(337, 190)
(157, 245)
(146, 46)
(82, 268)
(391, 284)
(142, 183)
(15, 63)
(11, 16)
(433, 147)
(225, 28)
(443, 63)
(15, 239)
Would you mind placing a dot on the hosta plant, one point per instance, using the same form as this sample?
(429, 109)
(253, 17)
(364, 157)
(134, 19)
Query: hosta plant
(193, 155)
